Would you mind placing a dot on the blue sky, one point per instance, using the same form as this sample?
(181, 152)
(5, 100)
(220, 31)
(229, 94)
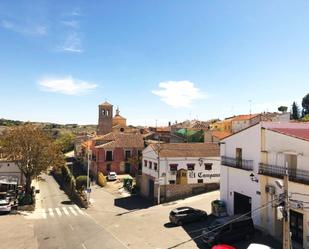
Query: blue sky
(156, 60)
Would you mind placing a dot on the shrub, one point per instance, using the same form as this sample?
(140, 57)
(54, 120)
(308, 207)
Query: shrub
(101, 179)
(81, 182)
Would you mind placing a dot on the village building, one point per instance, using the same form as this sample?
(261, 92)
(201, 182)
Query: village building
(253, 162)
(117, 152)
(10, 170)
(116, 147)
(183, 169)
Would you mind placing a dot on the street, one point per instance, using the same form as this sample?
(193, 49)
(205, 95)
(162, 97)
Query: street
(114, 221)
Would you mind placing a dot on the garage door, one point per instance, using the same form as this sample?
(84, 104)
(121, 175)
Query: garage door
(242, 204)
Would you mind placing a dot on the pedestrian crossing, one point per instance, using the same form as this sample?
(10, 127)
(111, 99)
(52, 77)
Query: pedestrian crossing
(53, 213)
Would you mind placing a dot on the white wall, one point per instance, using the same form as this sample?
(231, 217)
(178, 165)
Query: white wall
(8, 168)
(238, 180)
(250, 142)
(199, 172)
(277, 144)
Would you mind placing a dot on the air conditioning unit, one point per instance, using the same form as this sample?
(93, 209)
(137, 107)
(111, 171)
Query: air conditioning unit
(270, 189)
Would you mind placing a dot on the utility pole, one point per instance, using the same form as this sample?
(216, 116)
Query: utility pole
(159, 195)
(286, 211)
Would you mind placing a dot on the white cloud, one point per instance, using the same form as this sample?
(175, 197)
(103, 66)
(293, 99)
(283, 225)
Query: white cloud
(72, 24)
(178, 93)
(72, 43)
(66, 85)
(39, 30)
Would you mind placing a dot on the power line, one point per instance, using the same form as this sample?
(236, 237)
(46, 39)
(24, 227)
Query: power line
(216, 228)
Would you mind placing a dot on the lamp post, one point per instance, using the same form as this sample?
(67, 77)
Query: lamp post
(88, 166)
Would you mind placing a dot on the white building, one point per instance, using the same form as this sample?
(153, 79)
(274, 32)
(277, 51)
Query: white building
(10, 169)
(252, 160)
(184, 169)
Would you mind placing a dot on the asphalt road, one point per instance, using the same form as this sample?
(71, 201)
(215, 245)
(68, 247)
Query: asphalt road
(60, 224)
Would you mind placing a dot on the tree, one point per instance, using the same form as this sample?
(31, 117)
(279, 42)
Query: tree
(305, 105)
(295, 111)
(32, 150)
(66, 142)
(282, 108)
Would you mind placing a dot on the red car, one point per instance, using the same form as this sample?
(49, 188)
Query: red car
(223, 247)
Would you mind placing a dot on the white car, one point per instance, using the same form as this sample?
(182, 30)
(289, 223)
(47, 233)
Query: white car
(258, 246)
(5, 205)
(111, 176)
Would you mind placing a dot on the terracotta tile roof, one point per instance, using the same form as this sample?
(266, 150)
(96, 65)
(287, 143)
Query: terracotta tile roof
(220, 134)
(120, 140)
(301, 133)
(188, 149)
(163, 129)
(244, 117)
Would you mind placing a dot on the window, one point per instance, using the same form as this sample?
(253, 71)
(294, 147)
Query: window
(107, 112)
(8, 165)
(150, 165)
(103, 112)
(208, 166)
(173, 167)
(190, 166)
(127, 155)
(199, 180)
(145, 163)
(238, 157)
(155, 166)
(172, 181)
(109, 156)
(108, 167)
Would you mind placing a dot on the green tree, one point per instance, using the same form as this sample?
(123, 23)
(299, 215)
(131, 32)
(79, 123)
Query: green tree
(66, 142)
(295, 111)
(282, 108)
(32, 150)
(305, 105)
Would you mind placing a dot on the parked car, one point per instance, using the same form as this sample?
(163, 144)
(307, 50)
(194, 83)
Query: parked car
(258, 246)
(229, 229)
(223, 246)
(182, 215)
(111, 176)
(5, 203)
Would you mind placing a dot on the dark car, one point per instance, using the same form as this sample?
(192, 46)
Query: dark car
(184, 215)
(229, 229)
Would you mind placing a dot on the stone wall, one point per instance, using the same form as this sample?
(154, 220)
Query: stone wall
(172, 192)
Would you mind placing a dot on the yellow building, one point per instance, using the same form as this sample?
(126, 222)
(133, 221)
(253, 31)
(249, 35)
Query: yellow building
(119, 121)
(223, 125)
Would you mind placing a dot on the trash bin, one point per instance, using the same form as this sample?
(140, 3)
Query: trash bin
(218, 208)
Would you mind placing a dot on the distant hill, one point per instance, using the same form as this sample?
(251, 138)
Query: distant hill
(53, 128)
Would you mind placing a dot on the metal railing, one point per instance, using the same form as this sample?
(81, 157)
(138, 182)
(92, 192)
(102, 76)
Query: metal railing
(295, 175)
(237, 163)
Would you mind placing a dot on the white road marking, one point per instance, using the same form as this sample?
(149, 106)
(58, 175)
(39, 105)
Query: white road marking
(78, 210)
(84, 246)
(50, 212)
(43, 213)
(65, 211)
(58, 211)
(73, 211)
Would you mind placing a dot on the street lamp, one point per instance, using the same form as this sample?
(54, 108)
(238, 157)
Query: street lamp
(88, 166)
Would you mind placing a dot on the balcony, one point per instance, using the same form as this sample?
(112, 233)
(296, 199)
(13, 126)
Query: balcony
(236, 163)
(295, 175)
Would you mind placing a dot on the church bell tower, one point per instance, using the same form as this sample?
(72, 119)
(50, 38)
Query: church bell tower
(105, 124)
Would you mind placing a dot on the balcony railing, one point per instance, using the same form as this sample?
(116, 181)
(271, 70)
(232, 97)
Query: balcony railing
(237, 163)
(295, 175)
